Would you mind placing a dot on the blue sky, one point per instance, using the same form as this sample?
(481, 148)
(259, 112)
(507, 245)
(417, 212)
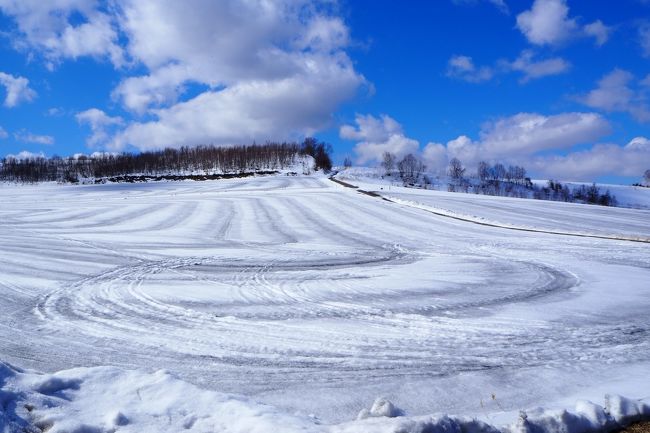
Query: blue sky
(557, 86)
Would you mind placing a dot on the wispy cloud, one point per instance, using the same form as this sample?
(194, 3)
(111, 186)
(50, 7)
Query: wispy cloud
(28, 137)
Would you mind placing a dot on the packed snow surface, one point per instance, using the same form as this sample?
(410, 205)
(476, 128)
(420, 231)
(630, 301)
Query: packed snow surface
(309, 300)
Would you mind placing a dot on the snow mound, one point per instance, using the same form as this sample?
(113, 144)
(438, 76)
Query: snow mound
(587, 417)
(381, 407)
(110, 400)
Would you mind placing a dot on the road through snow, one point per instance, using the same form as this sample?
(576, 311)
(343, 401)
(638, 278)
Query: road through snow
(311, 297)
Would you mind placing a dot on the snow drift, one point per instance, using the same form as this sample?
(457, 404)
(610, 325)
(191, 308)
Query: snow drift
(109, 399)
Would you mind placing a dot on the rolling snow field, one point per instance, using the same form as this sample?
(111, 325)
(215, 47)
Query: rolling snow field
(296, 302)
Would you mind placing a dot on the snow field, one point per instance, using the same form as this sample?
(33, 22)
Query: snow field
(314, 299)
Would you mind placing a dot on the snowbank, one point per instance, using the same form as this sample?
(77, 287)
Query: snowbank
(109, 399)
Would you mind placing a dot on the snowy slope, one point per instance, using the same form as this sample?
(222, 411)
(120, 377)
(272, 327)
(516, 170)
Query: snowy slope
(307, 296)
(518, 212)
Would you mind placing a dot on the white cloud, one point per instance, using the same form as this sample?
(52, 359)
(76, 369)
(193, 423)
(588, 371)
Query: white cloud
(614, 92)
(325, 34)
(435, 157)
(499, 4)
(28, 137)
(520, 137)
(25, 154)
(55, 112)
(644, 39)
(599, 31)
(376, 136)
(462, 67)
(17, 90)
(257, 69)
(548, 23)
(528, 139)
(246, 112)
(532, 69)
(265, 71)
(529, 133)
(100, 124)
(48, 28)
(601, 159)
(3, 133)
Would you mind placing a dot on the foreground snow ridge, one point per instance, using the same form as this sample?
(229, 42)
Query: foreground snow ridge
(110, 399)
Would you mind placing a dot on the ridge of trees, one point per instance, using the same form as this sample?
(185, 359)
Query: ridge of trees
(497, 180)
(181, 161)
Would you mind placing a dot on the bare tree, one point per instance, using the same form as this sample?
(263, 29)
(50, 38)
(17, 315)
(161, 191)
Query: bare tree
(410, 168)
(498, 172)
(456, 171)
(206, 159)
(388, 162)
(347, 162)
(483, 171)
(646, 177)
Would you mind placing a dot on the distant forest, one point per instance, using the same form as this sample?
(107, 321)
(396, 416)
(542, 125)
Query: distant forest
(182, 161)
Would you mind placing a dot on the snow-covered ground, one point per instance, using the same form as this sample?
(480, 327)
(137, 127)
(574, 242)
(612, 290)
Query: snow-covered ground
(310, 300)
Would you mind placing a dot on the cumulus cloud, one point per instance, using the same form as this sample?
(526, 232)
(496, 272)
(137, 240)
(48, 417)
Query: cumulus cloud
(28, 137)
(17, 90)
(599, 160)
(435, 156)
(615, 93)
(529, 133)
(224, 72)
(270, 71)
(544, 145)
(526, 138)
(25, 154)
(520, 137)
(100, 125)
(63, 29)
(376, 135)
(548, 23)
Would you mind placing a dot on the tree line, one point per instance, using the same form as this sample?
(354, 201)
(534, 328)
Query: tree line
(184, 160)
(497, 179)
